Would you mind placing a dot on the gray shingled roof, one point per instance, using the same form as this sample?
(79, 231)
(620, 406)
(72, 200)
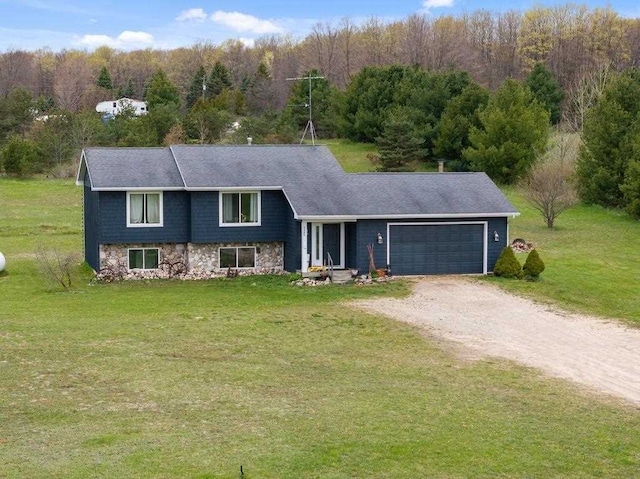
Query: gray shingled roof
(122, 168)
(310, 176)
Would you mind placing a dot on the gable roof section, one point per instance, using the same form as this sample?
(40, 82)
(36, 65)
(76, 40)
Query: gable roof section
(314, 183)
(130, 169)
(431, 194)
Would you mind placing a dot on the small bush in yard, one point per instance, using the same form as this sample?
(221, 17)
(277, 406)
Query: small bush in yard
(533, 266)
(508, 265)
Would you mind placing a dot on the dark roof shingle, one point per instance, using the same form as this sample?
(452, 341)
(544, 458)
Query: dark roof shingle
(310, 176)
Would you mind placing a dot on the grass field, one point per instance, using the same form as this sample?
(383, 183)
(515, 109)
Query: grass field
(193, 379)
(592, 260)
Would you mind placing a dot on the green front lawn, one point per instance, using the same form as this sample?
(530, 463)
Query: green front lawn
(193, 379)
(592, 259)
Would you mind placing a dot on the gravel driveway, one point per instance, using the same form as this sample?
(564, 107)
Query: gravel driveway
(602, 355)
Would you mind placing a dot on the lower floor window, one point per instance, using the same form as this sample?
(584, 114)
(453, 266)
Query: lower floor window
(237, 257)
(143, 258)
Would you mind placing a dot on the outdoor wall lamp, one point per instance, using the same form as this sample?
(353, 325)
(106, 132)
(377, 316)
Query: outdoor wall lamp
(496, 236)
(380, 239)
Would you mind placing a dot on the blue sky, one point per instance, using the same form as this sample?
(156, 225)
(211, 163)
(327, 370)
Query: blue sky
(133, 24)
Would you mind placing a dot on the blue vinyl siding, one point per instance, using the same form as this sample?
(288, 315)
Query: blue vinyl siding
(292, 243)
(205, 223)
(366, 231)
(91, 214)
(113, 220)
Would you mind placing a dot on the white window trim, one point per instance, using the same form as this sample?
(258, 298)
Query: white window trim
(237, 248)
(143, 250)
(235, 225)
(145, 225)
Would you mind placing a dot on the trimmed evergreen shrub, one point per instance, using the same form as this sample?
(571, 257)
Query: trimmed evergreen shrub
(508, 265)
(533, 265)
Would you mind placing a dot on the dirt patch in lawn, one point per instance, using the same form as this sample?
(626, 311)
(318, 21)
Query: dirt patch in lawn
(600, 354)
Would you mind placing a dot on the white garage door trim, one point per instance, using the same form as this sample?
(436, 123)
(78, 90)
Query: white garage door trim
(442, 223)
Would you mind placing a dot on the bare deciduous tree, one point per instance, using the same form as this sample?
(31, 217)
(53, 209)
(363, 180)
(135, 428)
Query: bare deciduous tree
(584, 94)
(56, 266)
(548, 187)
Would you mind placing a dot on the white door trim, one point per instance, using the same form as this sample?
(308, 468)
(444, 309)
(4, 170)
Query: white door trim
(317, 247)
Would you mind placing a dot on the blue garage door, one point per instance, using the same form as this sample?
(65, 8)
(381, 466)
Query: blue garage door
(436, 249)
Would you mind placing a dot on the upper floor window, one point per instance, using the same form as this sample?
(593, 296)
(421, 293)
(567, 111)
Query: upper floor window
(240, 209)
(144, 209)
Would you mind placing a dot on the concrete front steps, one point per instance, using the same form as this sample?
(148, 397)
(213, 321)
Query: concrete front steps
(341, 275)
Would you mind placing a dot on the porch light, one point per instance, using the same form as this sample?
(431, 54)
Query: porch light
(496, 236)
(380, 239)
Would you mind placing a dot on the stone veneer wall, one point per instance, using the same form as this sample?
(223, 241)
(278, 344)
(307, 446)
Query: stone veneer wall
(204, 257)
(201, 260)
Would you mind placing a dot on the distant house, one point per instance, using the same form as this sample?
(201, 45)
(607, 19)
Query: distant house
(115, 107)
(264, 208)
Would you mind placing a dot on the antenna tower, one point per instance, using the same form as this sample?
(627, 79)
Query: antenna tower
(310, 128)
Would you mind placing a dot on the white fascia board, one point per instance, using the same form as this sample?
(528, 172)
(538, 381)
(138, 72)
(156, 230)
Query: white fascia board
(139, 188)
(295, 213)
(232, 188)
(175, 160)
(320, 218)
(83, 162)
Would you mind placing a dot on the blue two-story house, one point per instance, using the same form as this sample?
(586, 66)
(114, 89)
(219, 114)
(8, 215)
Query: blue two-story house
(270, 208)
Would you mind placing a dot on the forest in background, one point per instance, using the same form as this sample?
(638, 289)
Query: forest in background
(570, 40)
(479, 90)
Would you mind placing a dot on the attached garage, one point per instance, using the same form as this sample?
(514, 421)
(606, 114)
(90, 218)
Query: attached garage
(437, 248)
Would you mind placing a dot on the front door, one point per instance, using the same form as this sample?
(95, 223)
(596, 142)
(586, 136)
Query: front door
(327, 238)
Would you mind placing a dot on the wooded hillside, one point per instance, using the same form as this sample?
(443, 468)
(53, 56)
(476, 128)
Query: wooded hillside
(571, 40)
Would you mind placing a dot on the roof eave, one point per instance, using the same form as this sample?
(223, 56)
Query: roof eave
(319, 218)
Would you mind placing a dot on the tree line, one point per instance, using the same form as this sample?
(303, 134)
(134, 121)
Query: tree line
(479, 90)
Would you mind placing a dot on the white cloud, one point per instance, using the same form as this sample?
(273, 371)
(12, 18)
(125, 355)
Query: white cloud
(195, 14)
(245, 23)
(135, 37)
(437, 3)
(126, 40)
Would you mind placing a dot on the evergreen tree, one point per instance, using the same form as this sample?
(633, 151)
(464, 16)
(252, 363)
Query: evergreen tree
(161, 91)
(514, 131)
(297, 110)
(508, 265)
(104, 79)
(219, 80)
(610, 143)
(20, 157)
(196, 90)
(368, 97)
(533, 265)
(261, 94)
(460, 114)
(547, 91)
(16, 114)
(399, 144)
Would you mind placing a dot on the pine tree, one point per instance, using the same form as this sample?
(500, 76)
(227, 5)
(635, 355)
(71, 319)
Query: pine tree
(104, 79)
(218, 80)
(611, 143)
(547, 90)
(399, 145)
(297, 110)
(460, 114)
(161, 91)
(514, 131)
(196, 89)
